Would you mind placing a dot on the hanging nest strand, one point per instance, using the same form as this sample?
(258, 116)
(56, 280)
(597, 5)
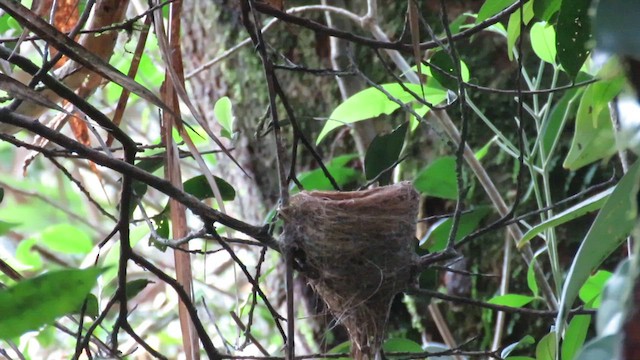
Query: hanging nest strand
(357, 250)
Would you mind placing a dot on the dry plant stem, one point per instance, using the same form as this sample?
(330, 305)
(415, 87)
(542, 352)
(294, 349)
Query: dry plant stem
(182, 259)
(504, 288)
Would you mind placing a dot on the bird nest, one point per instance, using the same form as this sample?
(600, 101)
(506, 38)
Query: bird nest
(357, 249)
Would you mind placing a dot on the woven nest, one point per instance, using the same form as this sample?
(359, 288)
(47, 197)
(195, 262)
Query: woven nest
(357, 250)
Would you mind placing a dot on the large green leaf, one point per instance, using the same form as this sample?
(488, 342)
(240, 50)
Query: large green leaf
(613, 223)
(586, 206)
(573, 35)
(383, 152)
(35, 302)
(372, 102)
(594, 137)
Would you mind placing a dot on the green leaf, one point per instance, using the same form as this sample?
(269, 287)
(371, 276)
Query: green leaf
(35, 302)
(546, 349)
(591, 291)
(519, 358)
(616, 27)
(564, 109)
(531, 275)
(5, 227)
(575, 336)
(613, 223)
(67, 239)
(401, 345)
(443, 70)
(543, 41)
(344, 347)
(480, 154)
(584, 207)
(316, 179)
(512, 300)
(594, 136)
(438, 179)
(27, 255)
(522, 343)
(92, 310)
(198, 186)
(545, 9)
(492, 7)
(371, 102)
(513, 27)
(437, 236)
(383, 152)
(223, 111)
(135, 286)
(573, 34)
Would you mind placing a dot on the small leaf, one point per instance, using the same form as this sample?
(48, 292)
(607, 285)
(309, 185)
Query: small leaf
(316, 179)
(91, 310)
(438, 179)
(586, 206)
(545, 9)
(67, 239)
(532, 283)
(513, 27)
(543, 42)
(546, 349)
(512, 300)
(35, 302)
(522, 343)
(613, 223)
(371, 102)
(199, 187)
(575, 336)
(594, 136)
(492, 7)
(591, 291)
(383, 152)
(573, 34)
(443, 70)
(438, 235)
(401, 345)
(5, 227)
(135, 286)
(223, 111)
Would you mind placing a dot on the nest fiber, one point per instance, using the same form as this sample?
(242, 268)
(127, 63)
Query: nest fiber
(357, 250)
